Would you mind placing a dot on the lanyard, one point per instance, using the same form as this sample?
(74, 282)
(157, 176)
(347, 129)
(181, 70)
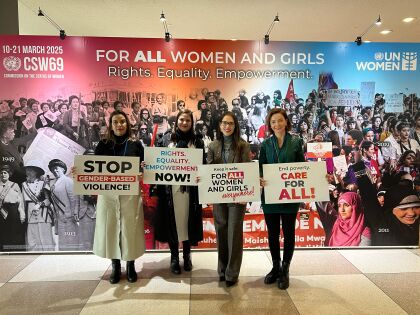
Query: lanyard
(125, 148)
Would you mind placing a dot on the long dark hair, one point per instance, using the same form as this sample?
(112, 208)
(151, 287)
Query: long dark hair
(236, 136)
(110, 136)
(190, 134)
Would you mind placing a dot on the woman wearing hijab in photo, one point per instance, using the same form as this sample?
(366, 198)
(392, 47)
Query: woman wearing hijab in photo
(349, 228)
(63, 200)
(37, 207)
(178, 216)
(281, 147)
(119, 230)
(229, 217)
(397, 222)
(12, 213)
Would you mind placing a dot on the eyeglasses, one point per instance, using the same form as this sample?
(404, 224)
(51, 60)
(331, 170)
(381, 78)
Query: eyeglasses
(181, 106)
(227, 123)
(235, 104)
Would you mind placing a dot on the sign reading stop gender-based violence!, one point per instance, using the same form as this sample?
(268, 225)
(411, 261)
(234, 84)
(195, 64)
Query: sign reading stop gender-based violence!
(106, 175)
(171, 166)
(295, 182)
(227, 183)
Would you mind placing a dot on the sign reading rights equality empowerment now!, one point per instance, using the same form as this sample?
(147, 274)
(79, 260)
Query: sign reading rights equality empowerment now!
(171, 166)
(106, 175)
(227, 183)
(295, 182)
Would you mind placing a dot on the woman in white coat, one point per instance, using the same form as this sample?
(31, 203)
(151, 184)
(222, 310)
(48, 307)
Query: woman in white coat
(119, 231)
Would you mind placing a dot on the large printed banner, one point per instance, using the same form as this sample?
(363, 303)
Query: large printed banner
(56, 97)
(295, 182)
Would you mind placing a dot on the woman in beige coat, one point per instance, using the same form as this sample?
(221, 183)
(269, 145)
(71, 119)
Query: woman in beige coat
(119, 231)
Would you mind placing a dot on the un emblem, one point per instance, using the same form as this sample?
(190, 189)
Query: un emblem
(12, 63)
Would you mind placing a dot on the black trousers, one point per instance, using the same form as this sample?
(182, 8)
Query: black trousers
(287, 221)
(174, 247)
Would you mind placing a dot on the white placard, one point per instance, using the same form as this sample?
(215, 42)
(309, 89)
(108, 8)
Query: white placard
(319, 150)
(171, 166)
(295, 182)
(340, 165)
(227, 183)
(50, 115)
(342, 97)
(27, 122)
(106, 175)
(367, 94)
(394, 103)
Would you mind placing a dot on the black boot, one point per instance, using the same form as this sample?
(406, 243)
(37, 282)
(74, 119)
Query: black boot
(273, 275)
(131, 271)
(175, 267)
(116, 271)
(187, 263)
(283, 282)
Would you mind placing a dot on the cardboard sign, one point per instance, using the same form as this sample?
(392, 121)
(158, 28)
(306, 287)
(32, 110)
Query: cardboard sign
(394, 103)
(367, 94)
(50, 115)
(227, 183)
(171, 166)
(295, 182)
(319, 150)
(342, 97)
(106, 175)
(340, 165)
(27, 122)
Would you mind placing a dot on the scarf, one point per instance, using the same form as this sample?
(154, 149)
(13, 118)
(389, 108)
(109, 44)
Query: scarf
(347, 232)
(182, 141)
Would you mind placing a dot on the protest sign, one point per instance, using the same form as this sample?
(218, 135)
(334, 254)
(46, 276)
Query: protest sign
(367, 94)
(342, 97)
(227, 183)
(106, 175)
(295, 182)
(319, 150)
(171, 166)
(394, 103)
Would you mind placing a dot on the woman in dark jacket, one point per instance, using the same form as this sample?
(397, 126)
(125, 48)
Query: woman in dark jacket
(281, 147)
(229, 217)
(397, 222)
(179, 215)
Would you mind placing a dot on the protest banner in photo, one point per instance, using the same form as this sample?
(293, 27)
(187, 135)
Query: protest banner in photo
(367, 93)
(342, 97)
(49, 144)
(227, 183)
(171, 166)
(319, 150)
(106, 175)
(394, 103)
(295, 182)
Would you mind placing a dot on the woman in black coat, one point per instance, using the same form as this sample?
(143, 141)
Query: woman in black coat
(185, 224)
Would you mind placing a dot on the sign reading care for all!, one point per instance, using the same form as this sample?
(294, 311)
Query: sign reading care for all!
(106, 175)
(227, 183)
(295, 182)
(171, 166)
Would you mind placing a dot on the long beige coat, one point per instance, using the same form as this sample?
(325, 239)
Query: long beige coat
(119, 231)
